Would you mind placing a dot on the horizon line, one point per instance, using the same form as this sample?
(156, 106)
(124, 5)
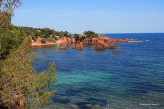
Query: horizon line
(134, 33)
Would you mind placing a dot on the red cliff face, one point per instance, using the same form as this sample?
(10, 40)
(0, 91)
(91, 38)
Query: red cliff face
(38, 42)
(102, 45)
(101, 42)
(64, 41)
(89, 40)
(104, 42)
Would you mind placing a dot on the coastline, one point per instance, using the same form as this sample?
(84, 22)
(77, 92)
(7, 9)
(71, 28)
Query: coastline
(100, 42)
(99, 76)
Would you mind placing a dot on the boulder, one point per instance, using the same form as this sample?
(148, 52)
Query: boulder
(74, 106)
(96, 106)
(79, 46)
(88, 105)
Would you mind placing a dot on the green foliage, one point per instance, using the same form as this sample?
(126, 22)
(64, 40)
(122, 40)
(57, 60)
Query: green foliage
(90, 34)
(34, 38)
(10, 38)
(51, 39)
(86, 34)
(77, 36)
(20, 85)
(67, 34)
(19, 81)
(62, 33)
(42, 32)
(43, 40)
(5, 18)
(6, 10)
(46, 32)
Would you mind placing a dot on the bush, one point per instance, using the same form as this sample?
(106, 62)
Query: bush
(20, 85)
(43, 40)
(90, 34)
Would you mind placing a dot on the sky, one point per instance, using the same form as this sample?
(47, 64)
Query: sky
(101, 16)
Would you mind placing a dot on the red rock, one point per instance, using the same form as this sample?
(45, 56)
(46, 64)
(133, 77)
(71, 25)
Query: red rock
(79, 46)
(101, 42)
(38, 41)
(65, 41)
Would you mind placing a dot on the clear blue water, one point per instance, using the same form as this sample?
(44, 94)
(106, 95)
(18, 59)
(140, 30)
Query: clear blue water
(133, 79)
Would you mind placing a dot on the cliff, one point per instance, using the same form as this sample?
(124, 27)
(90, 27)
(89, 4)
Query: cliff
(100, 42)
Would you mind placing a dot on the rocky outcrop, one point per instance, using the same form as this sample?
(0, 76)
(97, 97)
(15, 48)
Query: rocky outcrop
(83, 105)
(39, 42)
(106, 39)
(74, 106)
(64, 41)
(90, 40)
(99, 43)
(104, 42)
(112, 40)
(79, 46)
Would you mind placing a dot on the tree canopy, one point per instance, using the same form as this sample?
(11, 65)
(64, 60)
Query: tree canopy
(86, 34)
(20, 83)
(7, 10)
(90, 34)
(21, 87)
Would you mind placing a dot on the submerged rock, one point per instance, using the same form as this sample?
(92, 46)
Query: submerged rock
(63, 48)
(112, 47)
(74, 106)
(116, 51)
(96, 106)
(89, 105)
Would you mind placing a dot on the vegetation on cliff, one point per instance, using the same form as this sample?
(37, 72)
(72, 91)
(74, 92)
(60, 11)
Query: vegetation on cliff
(86, 34)
(21, 85)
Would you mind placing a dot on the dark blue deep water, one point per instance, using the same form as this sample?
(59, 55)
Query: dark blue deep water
(89, 79)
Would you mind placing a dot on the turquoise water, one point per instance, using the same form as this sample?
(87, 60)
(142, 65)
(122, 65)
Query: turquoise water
(133, 79)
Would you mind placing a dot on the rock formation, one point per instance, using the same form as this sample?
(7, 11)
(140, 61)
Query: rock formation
(79, 46)
(98, 43)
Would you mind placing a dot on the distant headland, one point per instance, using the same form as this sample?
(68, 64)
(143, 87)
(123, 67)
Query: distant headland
(78, 41)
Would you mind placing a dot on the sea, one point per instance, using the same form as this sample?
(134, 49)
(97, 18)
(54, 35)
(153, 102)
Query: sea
(90, 79)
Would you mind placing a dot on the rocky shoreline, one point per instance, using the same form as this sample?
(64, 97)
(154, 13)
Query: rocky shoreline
(99, 43)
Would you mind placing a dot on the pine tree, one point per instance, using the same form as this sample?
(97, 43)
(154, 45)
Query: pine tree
(21, 86)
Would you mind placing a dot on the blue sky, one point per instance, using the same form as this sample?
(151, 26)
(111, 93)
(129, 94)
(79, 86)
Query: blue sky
(102, 16)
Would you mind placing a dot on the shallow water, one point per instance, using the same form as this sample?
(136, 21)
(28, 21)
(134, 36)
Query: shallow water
(133, 79)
